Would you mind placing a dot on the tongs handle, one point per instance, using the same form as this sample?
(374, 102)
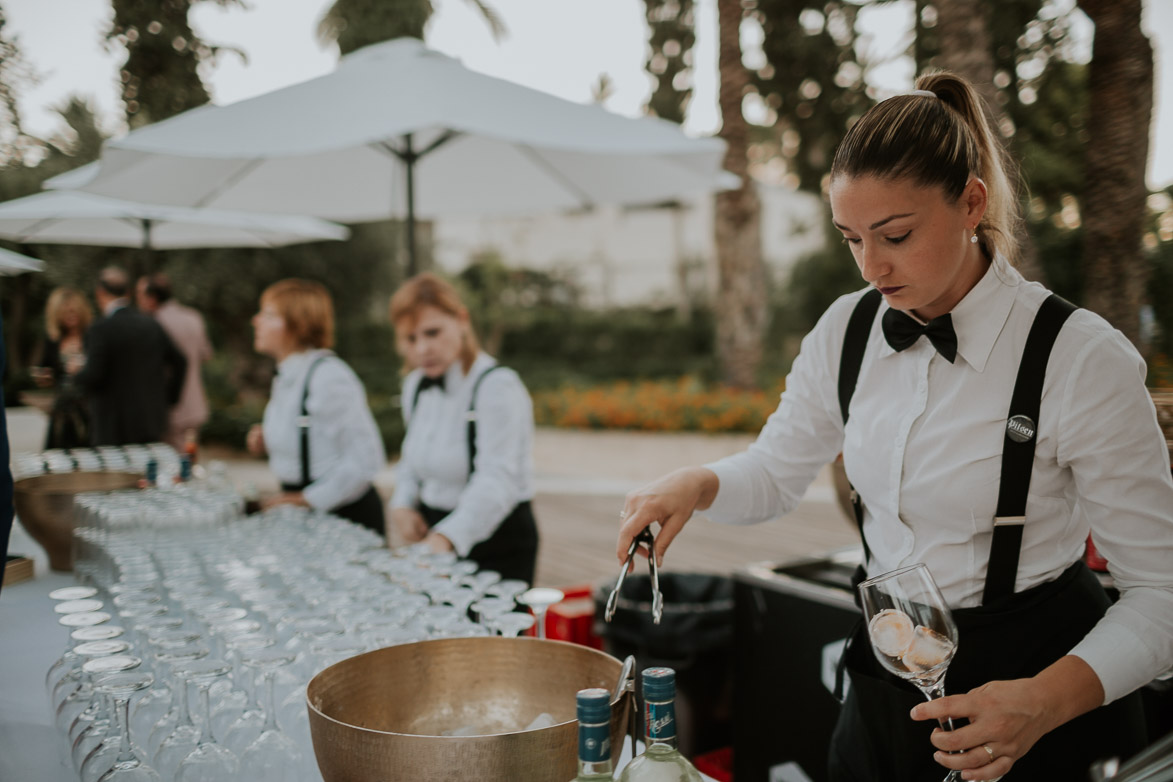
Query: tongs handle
(645, 538)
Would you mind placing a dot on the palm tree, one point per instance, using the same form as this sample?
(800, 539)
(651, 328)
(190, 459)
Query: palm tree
(1121, 95)
(353, 24)
(741, 310)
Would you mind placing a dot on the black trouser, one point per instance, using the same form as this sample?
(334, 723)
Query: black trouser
(367, 510)
(512, 550)
(876, 741)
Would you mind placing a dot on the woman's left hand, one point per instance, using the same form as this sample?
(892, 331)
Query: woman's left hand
(285, 498)
(1006, 718)
(438, 543)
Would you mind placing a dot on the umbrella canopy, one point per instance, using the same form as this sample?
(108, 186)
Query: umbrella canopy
(14, 263)
(398, 130)
(70, 217)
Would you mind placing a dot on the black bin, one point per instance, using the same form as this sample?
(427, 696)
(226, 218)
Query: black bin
(694, 638)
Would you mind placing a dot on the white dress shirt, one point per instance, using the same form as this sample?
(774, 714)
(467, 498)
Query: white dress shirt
(923, 447)
(433, 465)
(346, 450)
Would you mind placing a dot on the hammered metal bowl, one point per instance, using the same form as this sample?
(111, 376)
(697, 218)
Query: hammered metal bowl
(380, 715)
(44, 506)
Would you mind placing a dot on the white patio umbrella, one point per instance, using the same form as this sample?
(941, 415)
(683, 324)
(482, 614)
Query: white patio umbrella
(70, 217)
(398, 130)
(12, 263)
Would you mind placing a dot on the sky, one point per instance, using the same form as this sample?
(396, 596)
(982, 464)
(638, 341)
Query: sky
(557, 46)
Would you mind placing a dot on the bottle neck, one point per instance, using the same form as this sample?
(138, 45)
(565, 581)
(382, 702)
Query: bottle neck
(594, 750)
(660, 724)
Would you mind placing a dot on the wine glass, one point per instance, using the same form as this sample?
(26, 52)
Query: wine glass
(128, 767)
(912, 631)
(514, 623)
(209, 761)
(539, 600)
(272, 756)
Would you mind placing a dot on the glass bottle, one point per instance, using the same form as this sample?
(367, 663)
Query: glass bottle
(594, 735)
(660, 760)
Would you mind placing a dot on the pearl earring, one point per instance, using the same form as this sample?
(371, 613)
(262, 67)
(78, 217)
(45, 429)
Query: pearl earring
(973, 239)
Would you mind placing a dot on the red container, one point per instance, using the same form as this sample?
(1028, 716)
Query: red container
(718, 764)
(573, 618)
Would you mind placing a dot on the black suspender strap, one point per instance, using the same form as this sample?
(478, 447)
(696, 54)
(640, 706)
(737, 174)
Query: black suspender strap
(855, 342)
(303, 423)
(471, 415)
(1018, 448)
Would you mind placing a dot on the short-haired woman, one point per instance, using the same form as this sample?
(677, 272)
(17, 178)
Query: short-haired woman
(465, 477)
(322, 441)
(929, 380)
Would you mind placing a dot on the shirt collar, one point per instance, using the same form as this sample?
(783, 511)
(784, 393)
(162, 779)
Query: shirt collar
(979, 317)
(115, 305)
(293, 367)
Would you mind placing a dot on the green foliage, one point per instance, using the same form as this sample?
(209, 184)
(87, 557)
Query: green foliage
(819, 279)
(671, 38)
(161, 76)
(353, 24)
(812, 80)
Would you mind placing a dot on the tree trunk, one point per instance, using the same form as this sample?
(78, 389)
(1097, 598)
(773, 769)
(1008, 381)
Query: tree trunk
(741, 288)
(1120, 83)
(967, 49)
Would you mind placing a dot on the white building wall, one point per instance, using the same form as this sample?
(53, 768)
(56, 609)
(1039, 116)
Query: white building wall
(634, 256)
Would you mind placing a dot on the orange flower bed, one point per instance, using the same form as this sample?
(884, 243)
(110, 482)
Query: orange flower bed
(656, 406)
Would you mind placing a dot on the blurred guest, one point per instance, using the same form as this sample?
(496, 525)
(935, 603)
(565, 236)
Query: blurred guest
(466, 476)
(67, 317)
(318, 431)
(186, 328)
(133, 371)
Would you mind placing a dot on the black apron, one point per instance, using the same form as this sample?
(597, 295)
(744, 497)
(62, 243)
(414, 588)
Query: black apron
(1010, 636)
(367, 510)
(512, 549)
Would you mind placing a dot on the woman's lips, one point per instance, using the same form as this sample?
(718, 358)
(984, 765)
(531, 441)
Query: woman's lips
(890, 291)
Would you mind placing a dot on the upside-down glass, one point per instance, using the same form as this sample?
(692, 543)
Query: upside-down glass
(209, 761)
(129, 766)
(539, 600)
(912, 631)
(273, 756)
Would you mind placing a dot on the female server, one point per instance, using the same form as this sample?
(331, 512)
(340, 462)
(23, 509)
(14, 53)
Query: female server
(986, 427)
(465, 477)
(318, 431)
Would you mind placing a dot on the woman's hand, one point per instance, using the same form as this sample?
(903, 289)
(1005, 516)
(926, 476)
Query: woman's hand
(438, 543)
(1006, 718)
(255, 441)
(409, 524)
(670, 501)
(285, 498)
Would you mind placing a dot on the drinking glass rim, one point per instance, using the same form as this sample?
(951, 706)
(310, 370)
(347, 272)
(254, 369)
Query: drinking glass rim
(893, 573)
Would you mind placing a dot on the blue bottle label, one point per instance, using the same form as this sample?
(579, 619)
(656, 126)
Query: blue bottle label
(594, 743)
(185, 467)
(660, 720)
(152, 471)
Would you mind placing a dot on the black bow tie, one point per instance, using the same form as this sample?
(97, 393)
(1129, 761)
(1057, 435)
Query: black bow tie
(902, 331)
(431, 382)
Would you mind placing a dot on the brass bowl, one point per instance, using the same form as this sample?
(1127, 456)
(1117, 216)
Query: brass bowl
(44, 506)
(380, 715)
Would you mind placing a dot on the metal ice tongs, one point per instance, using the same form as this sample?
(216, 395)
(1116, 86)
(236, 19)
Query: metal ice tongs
(645, 537)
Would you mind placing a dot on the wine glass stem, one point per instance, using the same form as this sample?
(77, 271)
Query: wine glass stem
(270, 705)
(206, 701)
(933, 693)
(541, 612)
(122, 704)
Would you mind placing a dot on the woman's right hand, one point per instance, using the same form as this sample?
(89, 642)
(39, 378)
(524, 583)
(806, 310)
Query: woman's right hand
(669, 501)
(410, 524)
(255, 441)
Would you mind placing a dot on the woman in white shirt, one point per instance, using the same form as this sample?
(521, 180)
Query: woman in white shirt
(933, 433)
(322, 441)
(465, 476)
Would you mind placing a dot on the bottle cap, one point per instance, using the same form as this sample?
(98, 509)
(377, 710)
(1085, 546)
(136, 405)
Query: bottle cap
(594, 706)
(659, 684)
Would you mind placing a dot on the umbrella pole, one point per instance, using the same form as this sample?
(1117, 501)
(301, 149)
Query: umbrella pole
(409, 161)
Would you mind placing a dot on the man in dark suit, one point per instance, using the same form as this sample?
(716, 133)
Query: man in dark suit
(133, 370)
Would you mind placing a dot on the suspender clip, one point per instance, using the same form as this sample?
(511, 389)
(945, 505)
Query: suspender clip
(303, 422)
(1005, 521)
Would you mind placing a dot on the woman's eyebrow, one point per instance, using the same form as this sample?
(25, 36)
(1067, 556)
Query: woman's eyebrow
(876, 224)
